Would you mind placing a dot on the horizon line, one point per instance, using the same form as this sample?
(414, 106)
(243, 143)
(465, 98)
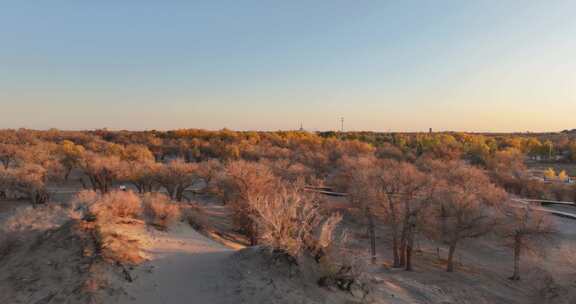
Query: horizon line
(279, 130)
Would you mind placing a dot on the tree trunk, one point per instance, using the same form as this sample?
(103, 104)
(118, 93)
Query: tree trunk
(408, 257)
(105, 186)
(83, 183)
(253, 237)
(451, 250)
(39, 197)
(372, 236)
(92, 181)
(409, 249)
(517, 252)
(402, 251)
(406, 229)
(395, 251)
(171, 191)
(442, 220)
(393, 218)
(409, 246)
(67, 174)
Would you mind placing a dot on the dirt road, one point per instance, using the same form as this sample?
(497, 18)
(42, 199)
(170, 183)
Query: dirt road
(186, 267)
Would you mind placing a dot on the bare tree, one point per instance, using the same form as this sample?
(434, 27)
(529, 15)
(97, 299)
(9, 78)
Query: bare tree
(137, 154)
(524, 230)
(417, 203)
(8, 153)
(463, 208)
(176, 177)
(31, 180)
(395, 191)
(291, 171)
(243, 183)
(102, 171)
(143, 175)
(208, 171)
(71, 156)
(5, 180)
(399, 187)
(358, 176)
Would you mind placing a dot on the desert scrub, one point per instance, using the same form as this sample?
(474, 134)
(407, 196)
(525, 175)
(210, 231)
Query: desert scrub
(82, 201)
(160, 211)
(117, 204)
(42, 218)
(196, 216)
(114, 220)
(289, 221)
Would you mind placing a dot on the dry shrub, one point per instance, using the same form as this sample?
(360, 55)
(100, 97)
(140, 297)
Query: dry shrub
(284, 221)
(291, 224)
(196, 216)
(118, 247)
(326, 235)
(117, 204)
(82, 201)
(344, 268)
(289, 221)
(116, 243)
(244, 184)
(160, 210)
(85, 197)
(113, 221)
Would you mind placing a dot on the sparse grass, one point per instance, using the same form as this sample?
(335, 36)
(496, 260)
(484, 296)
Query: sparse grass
(119, 247)
(37, 219)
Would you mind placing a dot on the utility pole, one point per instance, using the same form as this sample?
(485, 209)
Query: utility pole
(342, 124)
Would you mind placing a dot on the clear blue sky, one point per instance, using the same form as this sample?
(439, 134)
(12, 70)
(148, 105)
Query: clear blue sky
(267, 65)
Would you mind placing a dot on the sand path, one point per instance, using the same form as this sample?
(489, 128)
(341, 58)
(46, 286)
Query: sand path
(186, 267)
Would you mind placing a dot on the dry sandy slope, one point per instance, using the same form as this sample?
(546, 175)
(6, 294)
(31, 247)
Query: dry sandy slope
(185, 267)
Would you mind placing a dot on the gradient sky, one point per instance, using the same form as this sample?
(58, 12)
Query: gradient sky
(384, 65)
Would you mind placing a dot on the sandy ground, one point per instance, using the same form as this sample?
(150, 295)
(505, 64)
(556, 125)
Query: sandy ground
(7, 208)
(185, 267)
(483, 266)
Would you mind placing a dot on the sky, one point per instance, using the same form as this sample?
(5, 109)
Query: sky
(495, 66)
